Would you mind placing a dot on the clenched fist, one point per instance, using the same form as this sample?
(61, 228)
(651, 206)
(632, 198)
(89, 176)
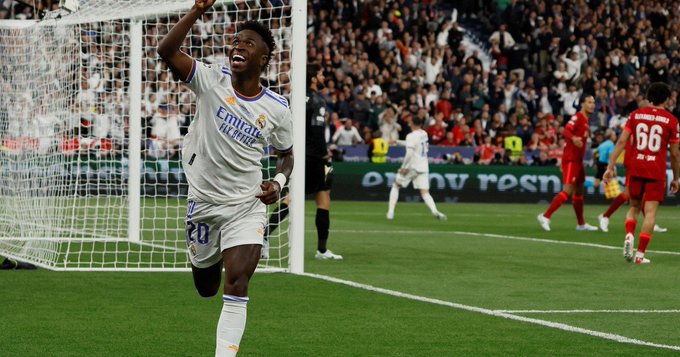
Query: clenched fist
(204, 4)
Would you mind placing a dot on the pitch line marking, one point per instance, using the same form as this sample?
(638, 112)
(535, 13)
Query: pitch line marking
(498, 236)
(495, 313)
(382, 214)
(589, 311)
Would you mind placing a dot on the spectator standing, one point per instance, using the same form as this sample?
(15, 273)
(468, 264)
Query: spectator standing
(347, 134)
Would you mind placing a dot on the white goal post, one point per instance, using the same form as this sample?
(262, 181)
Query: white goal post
(91, 122)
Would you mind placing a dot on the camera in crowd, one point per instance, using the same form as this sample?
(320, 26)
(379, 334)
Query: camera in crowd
(453, 158)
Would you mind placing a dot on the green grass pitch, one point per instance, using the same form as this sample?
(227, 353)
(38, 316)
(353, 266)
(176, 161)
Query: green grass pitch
(491, 257)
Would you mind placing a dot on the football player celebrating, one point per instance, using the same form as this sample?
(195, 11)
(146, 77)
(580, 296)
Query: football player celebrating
(236, 118)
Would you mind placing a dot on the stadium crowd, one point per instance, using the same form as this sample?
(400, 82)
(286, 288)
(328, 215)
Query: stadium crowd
(390, 61)
(395, 60)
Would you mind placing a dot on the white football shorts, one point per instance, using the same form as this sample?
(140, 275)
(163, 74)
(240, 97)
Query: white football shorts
(211, 229)
(421, 180)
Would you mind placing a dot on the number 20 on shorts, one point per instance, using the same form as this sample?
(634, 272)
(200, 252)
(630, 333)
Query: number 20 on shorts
(197, 233)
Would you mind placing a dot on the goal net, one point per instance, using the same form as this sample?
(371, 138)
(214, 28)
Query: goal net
(91, 126)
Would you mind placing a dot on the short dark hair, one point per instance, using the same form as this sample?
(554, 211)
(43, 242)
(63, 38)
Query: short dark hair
(584, 96)
(417, 121)
(658, 92)
(312, 70)
(264, 32)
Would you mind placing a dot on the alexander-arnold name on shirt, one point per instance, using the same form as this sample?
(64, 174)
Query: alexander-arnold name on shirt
(650, 117)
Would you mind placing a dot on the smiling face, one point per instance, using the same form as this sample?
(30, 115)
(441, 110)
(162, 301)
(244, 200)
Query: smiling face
(248, 52)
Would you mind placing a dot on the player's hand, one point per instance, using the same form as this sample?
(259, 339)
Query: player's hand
(674, 187)
(204, 4)
(577, 141)
(270, 192)
(402, 171)
(608, 175)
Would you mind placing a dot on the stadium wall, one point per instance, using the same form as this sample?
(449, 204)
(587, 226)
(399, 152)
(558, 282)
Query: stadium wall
(356, 181)
(465, 183)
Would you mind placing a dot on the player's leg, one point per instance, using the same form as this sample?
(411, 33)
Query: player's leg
(646, 231)
(577, 203)
(400, 181)
(239, 265)
(204, 248)
(618, 202)
(654, 193)
(322, 219)
(560, 198)
(635, 191)
(323, 222)
(429, 202)
(421, 182)
(207, 280)
(392, 203)
(657, 228)
(555, 204)
(631, 223)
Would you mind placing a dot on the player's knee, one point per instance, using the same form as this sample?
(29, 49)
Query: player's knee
(237, 287)
(207, 280)
(207, 291)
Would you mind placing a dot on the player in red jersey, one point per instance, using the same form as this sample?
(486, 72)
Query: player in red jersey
(623, 197)
(653, 129)
(576, 133)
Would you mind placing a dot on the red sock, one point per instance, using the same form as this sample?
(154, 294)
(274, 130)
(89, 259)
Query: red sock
(630, 226)
(557, 201)
(577, 202)
(644, 240)
(618, 201)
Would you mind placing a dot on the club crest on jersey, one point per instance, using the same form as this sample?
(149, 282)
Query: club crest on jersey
(230, 100)
(261, 121)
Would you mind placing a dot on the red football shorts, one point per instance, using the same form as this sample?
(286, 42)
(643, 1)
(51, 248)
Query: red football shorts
(652, 190)
(573, 173)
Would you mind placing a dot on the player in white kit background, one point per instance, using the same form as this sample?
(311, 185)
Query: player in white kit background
(415, 168)
(236, 119)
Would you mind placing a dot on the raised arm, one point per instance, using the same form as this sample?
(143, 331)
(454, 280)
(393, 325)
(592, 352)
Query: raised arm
(169, 48)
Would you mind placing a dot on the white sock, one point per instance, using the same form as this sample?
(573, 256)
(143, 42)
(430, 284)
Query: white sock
(231, 325)
(394, 197)
(429, 201)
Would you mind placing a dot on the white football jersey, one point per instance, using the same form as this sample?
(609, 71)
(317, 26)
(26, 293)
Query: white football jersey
(416, 151)
(223, 149)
